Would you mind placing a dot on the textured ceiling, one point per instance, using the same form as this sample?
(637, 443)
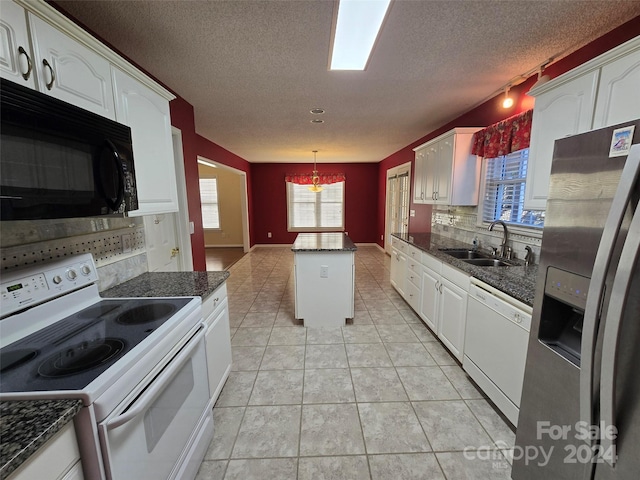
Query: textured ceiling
(253, 69)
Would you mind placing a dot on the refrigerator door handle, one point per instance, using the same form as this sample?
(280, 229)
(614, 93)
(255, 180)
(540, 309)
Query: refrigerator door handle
(611, 338)
(597, 283)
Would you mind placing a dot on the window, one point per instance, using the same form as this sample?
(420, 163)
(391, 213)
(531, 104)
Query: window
(309, 211)
(209, 201)
(505, 179)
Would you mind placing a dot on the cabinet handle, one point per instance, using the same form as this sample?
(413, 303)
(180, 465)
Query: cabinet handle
(440, 289)
(27, 74)
(437, 283)
(53, 75)
(421, 195)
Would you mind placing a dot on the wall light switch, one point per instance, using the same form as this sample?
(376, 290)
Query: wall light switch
(268, 234)
(412, 213)
(192, 228)
(324, 271)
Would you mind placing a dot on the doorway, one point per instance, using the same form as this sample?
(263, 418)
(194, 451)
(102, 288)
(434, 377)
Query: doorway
(397, 202)
(227, 237)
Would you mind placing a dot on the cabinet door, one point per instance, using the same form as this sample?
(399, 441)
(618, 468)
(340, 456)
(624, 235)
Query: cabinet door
(430, 298)
(147, 113)
(218, 349)
(444, 170)
(16, 59)
(563, 111)
(70, 71)
(430, 173)
(452, 317)
(398, 269)
(618, 99)
(418, 177)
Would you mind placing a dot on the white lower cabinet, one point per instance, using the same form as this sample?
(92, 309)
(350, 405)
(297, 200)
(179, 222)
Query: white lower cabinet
(413, 279)
(452, 316)
(58, 459)
(436, 291)
(430, 297)
(398, 269)
(215, 310)
(443, 306)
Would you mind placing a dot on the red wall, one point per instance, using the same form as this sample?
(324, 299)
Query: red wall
(270, 199)
(492, 112)
(182, 117)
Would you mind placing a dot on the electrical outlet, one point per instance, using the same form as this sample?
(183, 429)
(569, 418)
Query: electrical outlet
(268, 234)
(324, 271)
(127, 242)
(412, 213)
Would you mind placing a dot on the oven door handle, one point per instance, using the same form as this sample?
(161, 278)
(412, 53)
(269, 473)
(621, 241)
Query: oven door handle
(159, 383)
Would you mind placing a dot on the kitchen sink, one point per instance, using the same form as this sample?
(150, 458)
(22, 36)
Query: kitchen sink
(463, 253)
(486, 262)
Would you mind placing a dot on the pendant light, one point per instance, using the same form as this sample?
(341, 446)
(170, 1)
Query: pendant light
(315, 179)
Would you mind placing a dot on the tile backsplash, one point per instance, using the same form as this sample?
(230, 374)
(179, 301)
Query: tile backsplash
(30, 242)
(460, 223)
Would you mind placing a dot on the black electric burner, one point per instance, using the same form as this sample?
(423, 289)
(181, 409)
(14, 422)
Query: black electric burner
(74, 351)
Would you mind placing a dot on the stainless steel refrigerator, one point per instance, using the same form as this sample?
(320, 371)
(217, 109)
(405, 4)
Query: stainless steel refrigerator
(580, 410)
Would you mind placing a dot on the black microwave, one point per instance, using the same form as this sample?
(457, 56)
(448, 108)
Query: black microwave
(60, 161)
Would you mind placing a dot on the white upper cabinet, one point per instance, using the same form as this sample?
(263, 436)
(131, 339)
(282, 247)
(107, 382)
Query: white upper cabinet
(69, 71)
(418, 176)
(599, 93)
(16, 59)
(449, 173)
(563, 111)
(147, 114)
(619, 91)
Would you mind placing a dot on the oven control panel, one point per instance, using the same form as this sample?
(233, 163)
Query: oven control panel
(33, 285)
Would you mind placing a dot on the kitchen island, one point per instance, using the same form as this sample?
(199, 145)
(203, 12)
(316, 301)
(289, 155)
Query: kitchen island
(324, 266)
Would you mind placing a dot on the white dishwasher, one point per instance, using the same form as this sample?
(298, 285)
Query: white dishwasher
(495, 348)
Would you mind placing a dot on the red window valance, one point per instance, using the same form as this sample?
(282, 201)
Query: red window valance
(504, 137)
(306, 178)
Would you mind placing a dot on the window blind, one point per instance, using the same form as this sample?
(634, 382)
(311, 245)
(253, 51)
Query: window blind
(307, 210)
(209, 202)
(505, 183)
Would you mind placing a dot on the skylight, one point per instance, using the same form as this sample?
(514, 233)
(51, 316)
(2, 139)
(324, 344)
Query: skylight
(357, 28)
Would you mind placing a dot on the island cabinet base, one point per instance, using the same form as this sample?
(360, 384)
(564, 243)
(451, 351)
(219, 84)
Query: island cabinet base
(324, 287)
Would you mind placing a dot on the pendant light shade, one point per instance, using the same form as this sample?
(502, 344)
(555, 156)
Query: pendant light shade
(315, 179)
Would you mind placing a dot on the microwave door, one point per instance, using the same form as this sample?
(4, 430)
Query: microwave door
(110, 176)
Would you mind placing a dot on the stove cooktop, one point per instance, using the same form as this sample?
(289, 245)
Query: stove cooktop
(71, 353)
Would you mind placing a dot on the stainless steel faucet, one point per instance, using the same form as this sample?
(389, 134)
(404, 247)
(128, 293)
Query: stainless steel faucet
(528, 258)
(503, 247)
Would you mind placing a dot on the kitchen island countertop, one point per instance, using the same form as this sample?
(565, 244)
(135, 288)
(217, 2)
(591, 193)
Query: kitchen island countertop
(169, 284)
(323, 242)
(26, 425)
(517, 281)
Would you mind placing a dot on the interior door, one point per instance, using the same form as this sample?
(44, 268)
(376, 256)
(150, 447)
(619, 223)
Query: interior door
(161, 240)
(398, 197)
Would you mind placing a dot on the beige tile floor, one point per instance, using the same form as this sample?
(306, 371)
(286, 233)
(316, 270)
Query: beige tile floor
(378, 399)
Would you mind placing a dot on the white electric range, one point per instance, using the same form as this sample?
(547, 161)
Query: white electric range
(138, 364)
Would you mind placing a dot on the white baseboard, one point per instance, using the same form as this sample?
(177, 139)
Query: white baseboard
(225, 246)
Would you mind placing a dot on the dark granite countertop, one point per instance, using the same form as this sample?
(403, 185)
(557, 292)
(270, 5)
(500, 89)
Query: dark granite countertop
(26, 425)
(517, 280)
(323, 242)
(169, 284)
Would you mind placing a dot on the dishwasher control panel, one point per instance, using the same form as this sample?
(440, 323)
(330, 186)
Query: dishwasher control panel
(502, 307)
